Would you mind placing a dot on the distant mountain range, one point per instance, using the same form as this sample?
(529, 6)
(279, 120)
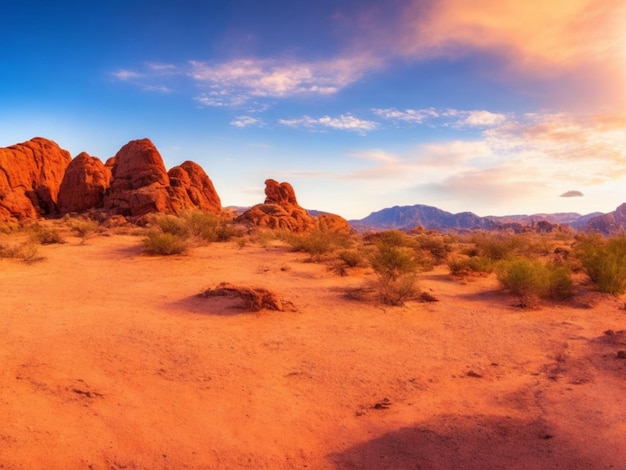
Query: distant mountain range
(407, 217)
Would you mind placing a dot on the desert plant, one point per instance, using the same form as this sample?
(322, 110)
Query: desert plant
(25, 251)
(396, 271)
(392, 262)
(317, 242)
(397, 291)
(604, 261)
(352, 258)
(172, 224)
(463, 265)
(165, 243)
(210, 227)
(530, 279)
(498, 246)
(45, 235)
(83, 226)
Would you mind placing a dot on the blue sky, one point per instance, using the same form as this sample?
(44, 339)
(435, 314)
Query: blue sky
(491, 106)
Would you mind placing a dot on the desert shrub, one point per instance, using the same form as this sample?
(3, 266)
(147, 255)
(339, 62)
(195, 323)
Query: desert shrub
(397, 291)
(83, 226)
(210, 227)
(45, 235)
(173, 225)
(317, 242)
(530, 279)
(396, 271)
(464, 265)
(24, 251)
(604, 261)
(165, 243)
(498, 246)
(352, 258)
(392, 262)
(434, 244)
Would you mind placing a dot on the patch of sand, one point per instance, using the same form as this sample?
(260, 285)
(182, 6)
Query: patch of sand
(110, 360)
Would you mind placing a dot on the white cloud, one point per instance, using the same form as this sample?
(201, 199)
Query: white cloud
(417, 116)
(269, 78)
(343, 122)
(246, 121)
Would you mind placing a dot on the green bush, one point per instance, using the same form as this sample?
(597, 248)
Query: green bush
(604, 261)
(392, 262)
(530, 279)
(352, 258)
(396, 269)
(165, 243)
(173, 225)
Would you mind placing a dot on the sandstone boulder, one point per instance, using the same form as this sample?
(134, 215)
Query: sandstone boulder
(279, 211)
(139, 181)
(84, 185)
(30, 178)
(282, 211)
(191, 187)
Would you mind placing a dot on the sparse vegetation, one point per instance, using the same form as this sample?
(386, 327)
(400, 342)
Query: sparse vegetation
(45, 235)
(317, 243)
(604, 261)
(165, 243)
(396, 271)
(531, 280)
(26, 251)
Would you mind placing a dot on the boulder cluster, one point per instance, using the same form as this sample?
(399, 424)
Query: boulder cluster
(39, 179)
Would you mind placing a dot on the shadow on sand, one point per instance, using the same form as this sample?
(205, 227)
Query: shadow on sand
(472, 442)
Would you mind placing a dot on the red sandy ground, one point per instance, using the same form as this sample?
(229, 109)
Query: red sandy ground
(110, 360)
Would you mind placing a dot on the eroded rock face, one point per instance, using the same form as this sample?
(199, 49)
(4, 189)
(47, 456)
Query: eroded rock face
(139, 181)
(191, 187)
(30, 178)
(282, 211)
(84, 185)
(279, 211)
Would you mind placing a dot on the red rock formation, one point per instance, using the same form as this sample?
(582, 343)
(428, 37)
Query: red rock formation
(280, 193)
(30, 178)
(192, 188)
(281, 211)
(334, 223)
(84, 185)
(139, 181)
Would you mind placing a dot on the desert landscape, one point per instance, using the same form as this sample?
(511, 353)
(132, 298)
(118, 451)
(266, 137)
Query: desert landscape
(112, 359)
(145, 326)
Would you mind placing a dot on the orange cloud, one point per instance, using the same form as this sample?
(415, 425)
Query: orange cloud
(556, 33)
(584, 39)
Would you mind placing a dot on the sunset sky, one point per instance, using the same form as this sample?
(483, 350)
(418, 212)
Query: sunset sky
(491, 106)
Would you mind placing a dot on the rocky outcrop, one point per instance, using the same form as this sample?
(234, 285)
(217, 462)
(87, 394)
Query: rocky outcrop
(191, 187)
(141, 185)
(282, 211)
(37, 178)
(30, 178)
(84, 185)
(279, 211)
(610, 224)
